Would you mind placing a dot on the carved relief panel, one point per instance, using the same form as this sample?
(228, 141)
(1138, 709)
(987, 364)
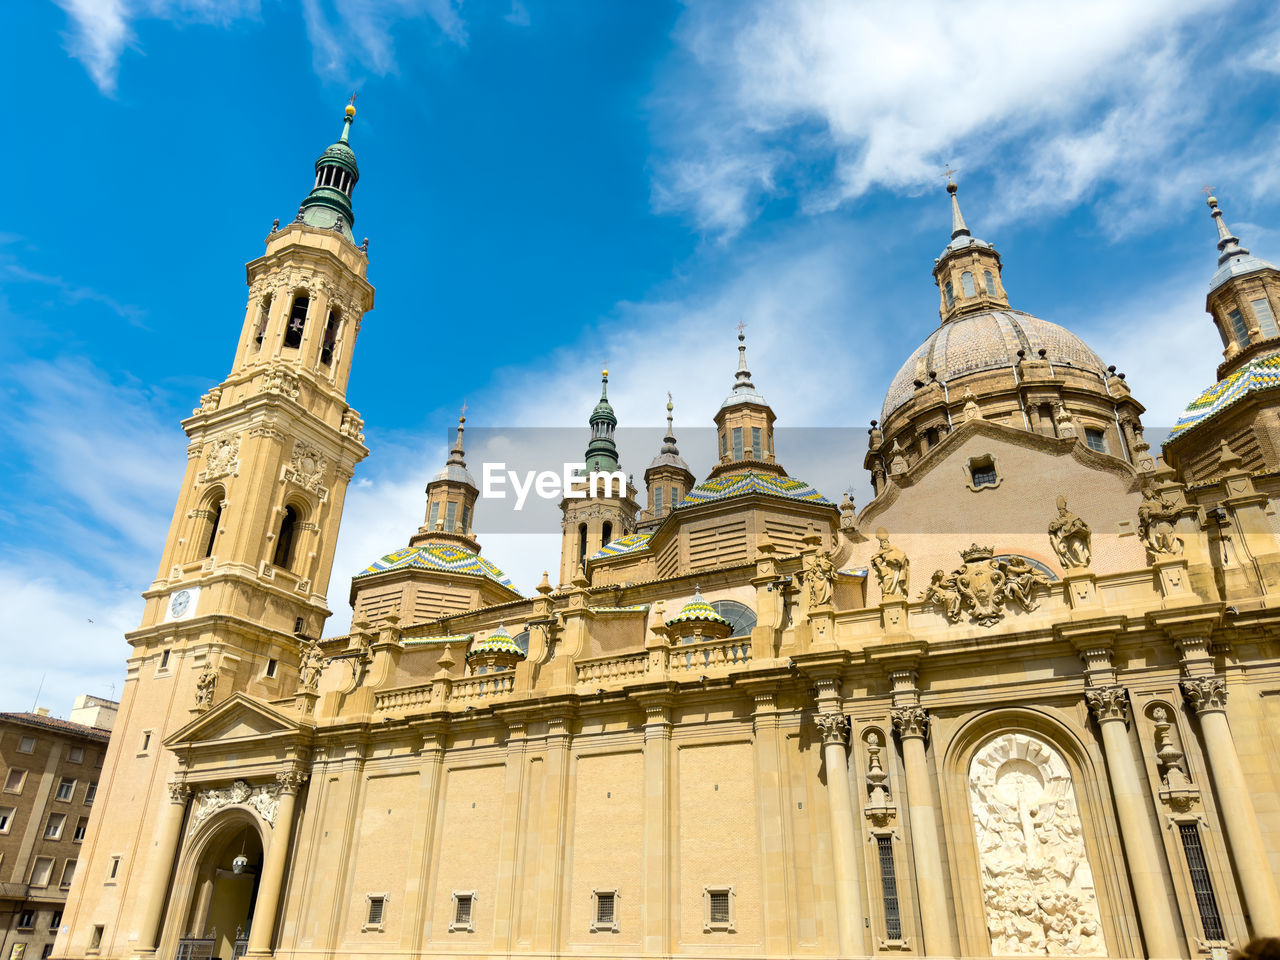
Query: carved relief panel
(1036, 880)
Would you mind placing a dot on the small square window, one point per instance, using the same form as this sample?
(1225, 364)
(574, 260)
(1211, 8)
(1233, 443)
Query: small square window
(82, 827)
(606, 911)
(53, 826)
(55, 921)
(271, 667)
(6, 818)
(75, 755)
(1096, 439)
(719, 907)
(114, 869)
(26, 919)
(983, 473)
(14, 781)
(464, 914)
(145, 745)
(42, 871)
(27, 745)
(90, 792)
(66, 789)
(68, 874)
(95, 938)
(376, 912)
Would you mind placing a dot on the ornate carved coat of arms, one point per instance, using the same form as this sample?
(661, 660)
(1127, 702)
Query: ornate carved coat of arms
(984, 585)
(307, 468)
(222, 458)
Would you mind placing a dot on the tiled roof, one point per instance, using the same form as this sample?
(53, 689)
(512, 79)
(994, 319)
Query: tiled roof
(497, 642)
(423, 641)
(623, 545)
(697, 609)
(741, 484)
(57, 724)
(1258, 374)
(438, 557)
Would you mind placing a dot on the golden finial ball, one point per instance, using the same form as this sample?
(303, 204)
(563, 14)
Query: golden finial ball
(351, 110)
(604, 373)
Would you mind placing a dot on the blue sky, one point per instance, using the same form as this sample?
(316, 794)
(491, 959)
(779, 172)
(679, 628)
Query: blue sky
(553, 187)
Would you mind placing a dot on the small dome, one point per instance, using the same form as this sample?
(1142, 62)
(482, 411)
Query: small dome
(438, 556)
(456, 472)
(1237, 266)
(343, 152)
(698, 610)
(497, 642)
(988, 341)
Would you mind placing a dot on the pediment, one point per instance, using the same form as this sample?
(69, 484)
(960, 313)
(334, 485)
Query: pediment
(238, 718)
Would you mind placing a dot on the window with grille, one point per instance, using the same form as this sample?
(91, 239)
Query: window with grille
(889, 889)
(66, 788)
(737, 443)
(377, 910)
(606, 913)
(1266, 321)
(463, 912)
(1238, 328)
(719, 908)
(1201, 882)
(1096, 439)
(755, 443)
(983, 473)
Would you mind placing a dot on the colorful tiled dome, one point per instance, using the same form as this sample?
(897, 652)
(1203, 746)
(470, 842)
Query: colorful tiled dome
(988, 341)
(439, 557)
(741, 484)
(497, 642)
(1260, 374)
(697, 610)
(623, 545)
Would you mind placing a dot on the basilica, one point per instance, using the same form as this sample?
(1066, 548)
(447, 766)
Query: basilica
(1024, 702)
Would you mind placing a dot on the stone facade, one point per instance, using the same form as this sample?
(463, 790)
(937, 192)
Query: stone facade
(1024, 703)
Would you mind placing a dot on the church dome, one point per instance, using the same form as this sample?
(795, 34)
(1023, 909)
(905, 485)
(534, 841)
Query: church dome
(988, 341)
(441, 557)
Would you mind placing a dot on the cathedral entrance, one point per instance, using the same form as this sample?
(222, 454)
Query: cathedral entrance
(226, 887)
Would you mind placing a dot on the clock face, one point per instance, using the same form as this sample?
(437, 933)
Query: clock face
(178, 605)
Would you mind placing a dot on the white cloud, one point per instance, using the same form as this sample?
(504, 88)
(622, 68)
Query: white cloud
(829, 99)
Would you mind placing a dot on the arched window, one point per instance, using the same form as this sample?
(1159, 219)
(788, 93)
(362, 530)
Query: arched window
(741, 618)
(330, 337)
(582, 543)
(215, 510)
(284, 541)
(260, 329)
(949, 292)
(297, 321)
(991, 282)
(606, 533)
(966, 284)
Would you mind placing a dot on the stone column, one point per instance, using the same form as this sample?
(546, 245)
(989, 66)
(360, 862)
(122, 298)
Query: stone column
(655, 914)
(1110, 706)
(835, 726)
(1208, 697)
(551, 829)
(912, 726)
(271, 881)
(159, 858)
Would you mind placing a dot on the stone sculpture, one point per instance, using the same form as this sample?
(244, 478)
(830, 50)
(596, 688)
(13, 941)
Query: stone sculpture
(984, 585)
(1071, 538)
(1157, 515)
(893, 569)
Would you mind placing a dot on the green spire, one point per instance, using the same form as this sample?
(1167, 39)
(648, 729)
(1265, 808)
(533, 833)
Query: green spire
(602, 452)
(328, 205)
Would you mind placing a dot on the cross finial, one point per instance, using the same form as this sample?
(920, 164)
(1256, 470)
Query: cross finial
(464, 409)
(668, 396)
(352, 101)
(949, 173)
(741, 327)
(1207, 190)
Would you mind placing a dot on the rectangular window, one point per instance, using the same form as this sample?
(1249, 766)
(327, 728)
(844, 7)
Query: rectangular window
(95, 938)
(55, 921)
(90, 792)
(450, 516)
(463, 912)
(146, 742)
(377, 906)
(82, 826)
(1096, 439)
(272, 663)
(889, 889)
(433, 515)
(1238, 328)
(966, 284)
(657, 501)
(606, 914)
(991, 282)
(68, 874)
(42, 871)
(75, 755)
(66, 789)
(6, 818)
(466, 519)
(14, 781)
(26, 919)
(47, 952)
(984, 473)
(27, 745)
(1201, 882)
(755, 443)
(737, 443)
(53, 826)
(719, 907)
(114, 870)
(1266, 321)
(164, 660)
(724, 444)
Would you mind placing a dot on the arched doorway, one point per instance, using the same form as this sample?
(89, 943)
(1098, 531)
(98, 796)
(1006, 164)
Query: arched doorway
(225, 889)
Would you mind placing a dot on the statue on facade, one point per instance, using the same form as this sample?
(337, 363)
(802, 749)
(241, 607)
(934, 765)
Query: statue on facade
(984, 585)
(1071, 538)
(1063, 421)
(1157, 515)
(309, 667)
(819, 574)
(1021, 579)
(943, 592)
(206, 684)
(893, 569)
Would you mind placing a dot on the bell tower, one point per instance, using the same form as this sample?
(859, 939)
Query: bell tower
(246, 564)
